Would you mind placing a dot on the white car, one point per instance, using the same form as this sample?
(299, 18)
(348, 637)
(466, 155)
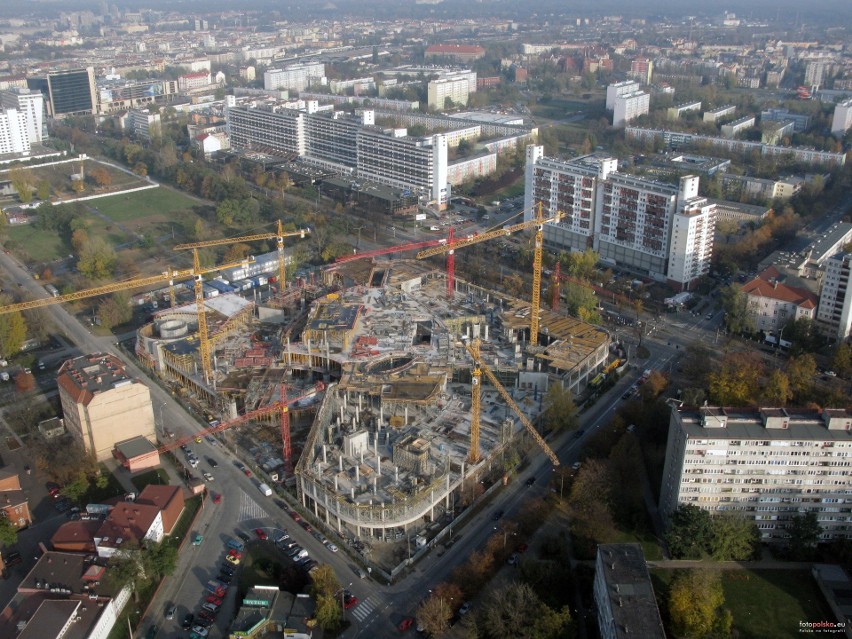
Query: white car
(332, 547)
(207, 476)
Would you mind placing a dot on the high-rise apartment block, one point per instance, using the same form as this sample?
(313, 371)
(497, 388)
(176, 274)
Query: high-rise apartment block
(13, 133)
(142, 122)
(653, 228)
(294, 77)
(642, 69)
(354, 147)
(619, 89)
(456, 89)
(834, 315)
(842, 119)
(102, 405)
(770, 464)
(30, 107)
(630, 106)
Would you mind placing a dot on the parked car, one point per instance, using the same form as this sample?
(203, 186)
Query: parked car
(170, 612)
(187, 621)
(261, 534)
(405, 624)
(350, 601)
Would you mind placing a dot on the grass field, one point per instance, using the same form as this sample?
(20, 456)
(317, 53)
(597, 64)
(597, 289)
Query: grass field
(59, 177)
(765, 603)
(153, 205)
(40, 246)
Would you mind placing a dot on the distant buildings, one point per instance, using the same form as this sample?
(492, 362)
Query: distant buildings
(842, 119)
(642, 69)
(719, 112)
(630, 106)
(456, 89)
(653, 228)
(28, 106)
(69, 92)
(731, 129)
(295, 77)
(194, 81)
(834, 316)
(768, 464)
(102, 405)
(673, 113)
(142, 123)
(619, 89)
(462, 53)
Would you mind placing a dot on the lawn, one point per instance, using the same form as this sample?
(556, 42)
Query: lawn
(39, 246)
(764, 603)
(191, 506)
(157, 476)
(152, 205)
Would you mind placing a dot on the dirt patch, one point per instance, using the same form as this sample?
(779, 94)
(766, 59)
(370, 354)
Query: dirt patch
(12, 443)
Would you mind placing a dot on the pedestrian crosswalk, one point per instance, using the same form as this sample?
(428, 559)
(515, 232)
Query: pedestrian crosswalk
(364, 608)
(250, 509)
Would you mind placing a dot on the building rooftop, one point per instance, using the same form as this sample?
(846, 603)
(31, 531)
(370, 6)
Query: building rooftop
(827, 244)
(127, 524)
(158, 495)
(773, 424)
(75, 533)
(85, 376)
(67, 573)
(135, 447)
(767, 284)
(631, 595)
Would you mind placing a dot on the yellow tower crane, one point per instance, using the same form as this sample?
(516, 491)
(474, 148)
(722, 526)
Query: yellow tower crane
(204, 346)
(479, 368)
(538, 221)
(169, 276)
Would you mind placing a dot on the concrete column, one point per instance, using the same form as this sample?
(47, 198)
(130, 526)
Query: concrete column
(396, 474)
(378, 459)
(357, 473)
(360, 396)
(486, 332)
(308, 342)
(406, 416)
(352, 493)
(324, 454)
(447, 498)
(335, 483)
(358, 412)
(432, 507)
(362, 454)
(345, 399)
(340, 459)
(381, 414)
(374, 485)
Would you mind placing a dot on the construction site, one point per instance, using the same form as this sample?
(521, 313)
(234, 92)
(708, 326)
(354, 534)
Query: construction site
(377, 394)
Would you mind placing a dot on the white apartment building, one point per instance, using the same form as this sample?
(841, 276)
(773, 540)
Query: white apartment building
(630, 106)
(30, 105)
(772, 303)
(142, 122)
(730, 129)
(192, 81)
(719, 112)
(628, 220)
(456, 89)
(770, 464)
(834, 316)
(294, 77)
(693, 228)
(13, 132)
(350, 146)
(842, 119)
(619, 89)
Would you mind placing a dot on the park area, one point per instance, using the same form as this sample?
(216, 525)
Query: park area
(120, 220)
(763, 603)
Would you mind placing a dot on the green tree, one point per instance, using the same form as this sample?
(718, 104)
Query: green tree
(43, 190)
(583, 264)
(161, 558)
(13, 332)
(21, 183)
(736, 381)
(97, 259)
(735, 538)
(8, 531)
(115, 310)
(805, 531)
(737, 316)
(841, 362)
(77, 487)
(325, 588)
(561, 411)
(690, 532)
(777, 391)
(128, 569)
(696, 601)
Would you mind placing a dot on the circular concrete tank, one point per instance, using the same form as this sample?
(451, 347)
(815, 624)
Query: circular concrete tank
(171, 329)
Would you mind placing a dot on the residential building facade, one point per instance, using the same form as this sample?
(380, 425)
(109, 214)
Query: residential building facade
(629, 220)
(834, 317)
(142, 123)
(70, 92)
(630, 106)
(769, 464)
(841, 121)
(294, 77)
(455, 89)
(772, 303)
(619, 89)
(13, 132)
(30, 107)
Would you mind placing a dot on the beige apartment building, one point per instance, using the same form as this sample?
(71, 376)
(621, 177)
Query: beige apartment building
(771, 464)
(102, 405)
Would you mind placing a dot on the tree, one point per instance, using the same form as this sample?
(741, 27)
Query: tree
(21, 183)
(97, 259)
(24, 382)
(735, 538)
(128, 569)
(696, 601)
(161, 558)
(653, 386)
(43, 190)
(8, 531)
(561, 411)
(115, 310)
(737, 316)
(841, 362)
(690, 532)
(805, 531)
(801, 372)
(777, 391)
(63, 459)
(735, 382)
(517, 611)
(13, 333)
(140, 168)
(100, 176)
(325, 589)
(434, 615)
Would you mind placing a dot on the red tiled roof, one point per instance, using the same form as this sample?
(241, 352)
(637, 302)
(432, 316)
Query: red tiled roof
(767, 285)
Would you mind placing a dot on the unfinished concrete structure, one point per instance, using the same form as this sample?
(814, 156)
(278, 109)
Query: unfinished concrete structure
(390, 443)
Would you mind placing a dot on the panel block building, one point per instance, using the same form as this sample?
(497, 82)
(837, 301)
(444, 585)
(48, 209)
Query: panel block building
(770, 464)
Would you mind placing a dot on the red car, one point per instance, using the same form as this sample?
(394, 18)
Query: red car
(296, 517)
(247, 472)
(260, 534)
(217, 498)
(350, 601)
(406, 624)
(234, 553)
(213, 599)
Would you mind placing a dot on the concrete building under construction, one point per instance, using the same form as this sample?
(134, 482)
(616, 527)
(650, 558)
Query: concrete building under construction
(389, 444)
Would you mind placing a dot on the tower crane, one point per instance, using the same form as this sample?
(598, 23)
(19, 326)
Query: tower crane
(478, 370)
(538, 221)
(389, 249)
(203, 337)
(282, 406)
(169, 276)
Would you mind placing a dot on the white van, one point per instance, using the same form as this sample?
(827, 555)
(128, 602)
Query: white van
(266, 490)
